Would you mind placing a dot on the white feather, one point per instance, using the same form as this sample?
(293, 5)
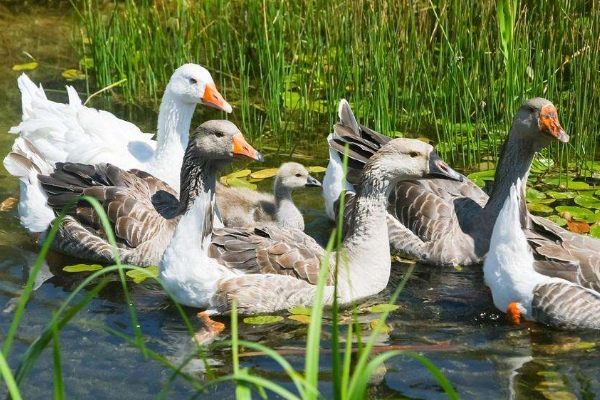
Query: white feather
(188, 273)
(508, 268)
(334, 181)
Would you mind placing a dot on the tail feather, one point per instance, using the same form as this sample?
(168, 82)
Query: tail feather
(74, 99)
(362, 142)
(25, 159)
(29, 91)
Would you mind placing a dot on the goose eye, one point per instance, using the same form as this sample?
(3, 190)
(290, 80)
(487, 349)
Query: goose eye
(193, 81)
(219, 134)
(298, 175)
(414, 154)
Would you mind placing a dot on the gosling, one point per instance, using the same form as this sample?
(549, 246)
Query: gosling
(242, 207)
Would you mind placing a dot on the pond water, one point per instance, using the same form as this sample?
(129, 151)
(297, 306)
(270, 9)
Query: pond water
(445, 314)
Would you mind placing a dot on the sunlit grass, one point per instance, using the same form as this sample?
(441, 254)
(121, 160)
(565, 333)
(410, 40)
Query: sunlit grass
(451, 70)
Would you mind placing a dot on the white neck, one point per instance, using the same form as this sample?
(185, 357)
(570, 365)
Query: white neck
(367, 247)
(287, 214)
(174, 120)
(334, 182)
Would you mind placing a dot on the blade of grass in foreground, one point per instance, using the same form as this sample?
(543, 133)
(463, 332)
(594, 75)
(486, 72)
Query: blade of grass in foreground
(13, 389)
(59, 390)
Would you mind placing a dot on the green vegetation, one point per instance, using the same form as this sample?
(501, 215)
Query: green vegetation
(450, 70)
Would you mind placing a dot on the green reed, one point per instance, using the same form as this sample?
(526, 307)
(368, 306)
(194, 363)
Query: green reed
(451, 70)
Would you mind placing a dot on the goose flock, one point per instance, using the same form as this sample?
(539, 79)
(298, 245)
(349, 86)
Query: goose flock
(216, 244)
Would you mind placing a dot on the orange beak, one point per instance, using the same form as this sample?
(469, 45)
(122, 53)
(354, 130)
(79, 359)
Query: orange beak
(513, 314)
(242, 148)
(550, 125)
(213, 98)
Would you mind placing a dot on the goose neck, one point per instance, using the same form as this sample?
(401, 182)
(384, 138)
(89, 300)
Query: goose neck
(174, 120)
(197, 177)
(367, 245)
(514, 164)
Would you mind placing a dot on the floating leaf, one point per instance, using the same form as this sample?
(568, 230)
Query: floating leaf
(578, 226)
(264, 173)
(263, 319)
(25, 67)
(560, 195)
(533, 194)
(300, 310)
(316, 169)
(292, 100)
(539, 207)
(82, 268)
(73, 74)
(577, 185)
(8, 203)
(588, 202)
(485, 175)
(557, 220)
(579, 213)
(86, 63)
(140, 276)
(238, 174)
(595, 230)
(237, 182)
(384, 329)
(379, 308)
(305, 319)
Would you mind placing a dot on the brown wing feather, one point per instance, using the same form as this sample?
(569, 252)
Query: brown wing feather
(268, 251)
(566, 305)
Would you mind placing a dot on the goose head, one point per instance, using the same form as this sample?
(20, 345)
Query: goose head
(537, 121)
(407, 159)
(294, 176)
(219, 142)
(193, 84)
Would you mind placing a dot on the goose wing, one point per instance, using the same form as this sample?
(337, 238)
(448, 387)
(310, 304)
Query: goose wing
(138, 205)
(563, 304)
(565, 254)
(76, 133)
(268, 250)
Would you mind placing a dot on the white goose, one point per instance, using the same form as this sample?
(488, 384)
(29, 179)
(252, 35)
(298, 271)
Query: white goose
(76, 133)
(520, 291)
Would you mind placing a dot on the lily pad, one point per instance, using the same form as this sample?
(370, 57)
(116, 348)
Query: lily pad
(533, 194)
(561, 195)
(139, 276)
(316, 169)
(239, 174)
(384, 329)
(299, 310)
(25, 67)
(237, 182)
(82, 268)
(579, 213)
(379, 308)
(588, 202)
(8, 203)
(557, 220)
(595, 230)
(292, 100)
(263, 319)
(305, 319)
(73, 74)
(578, 226)
(577, 185)
(539, 207)
(264, 173)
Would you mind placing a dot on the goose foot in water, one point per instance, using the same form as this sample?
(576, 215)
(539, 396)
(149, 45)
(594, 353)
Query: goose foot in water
(514, 313)
(211, 329)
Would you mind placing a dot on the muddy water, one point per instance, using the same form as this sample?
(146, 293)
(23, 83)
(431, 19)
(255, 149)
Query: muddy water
(445, 314)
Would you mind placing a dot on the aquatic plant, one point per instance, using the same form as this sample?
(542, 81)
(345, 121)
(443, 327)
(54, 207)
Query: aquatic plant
(443, 69)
